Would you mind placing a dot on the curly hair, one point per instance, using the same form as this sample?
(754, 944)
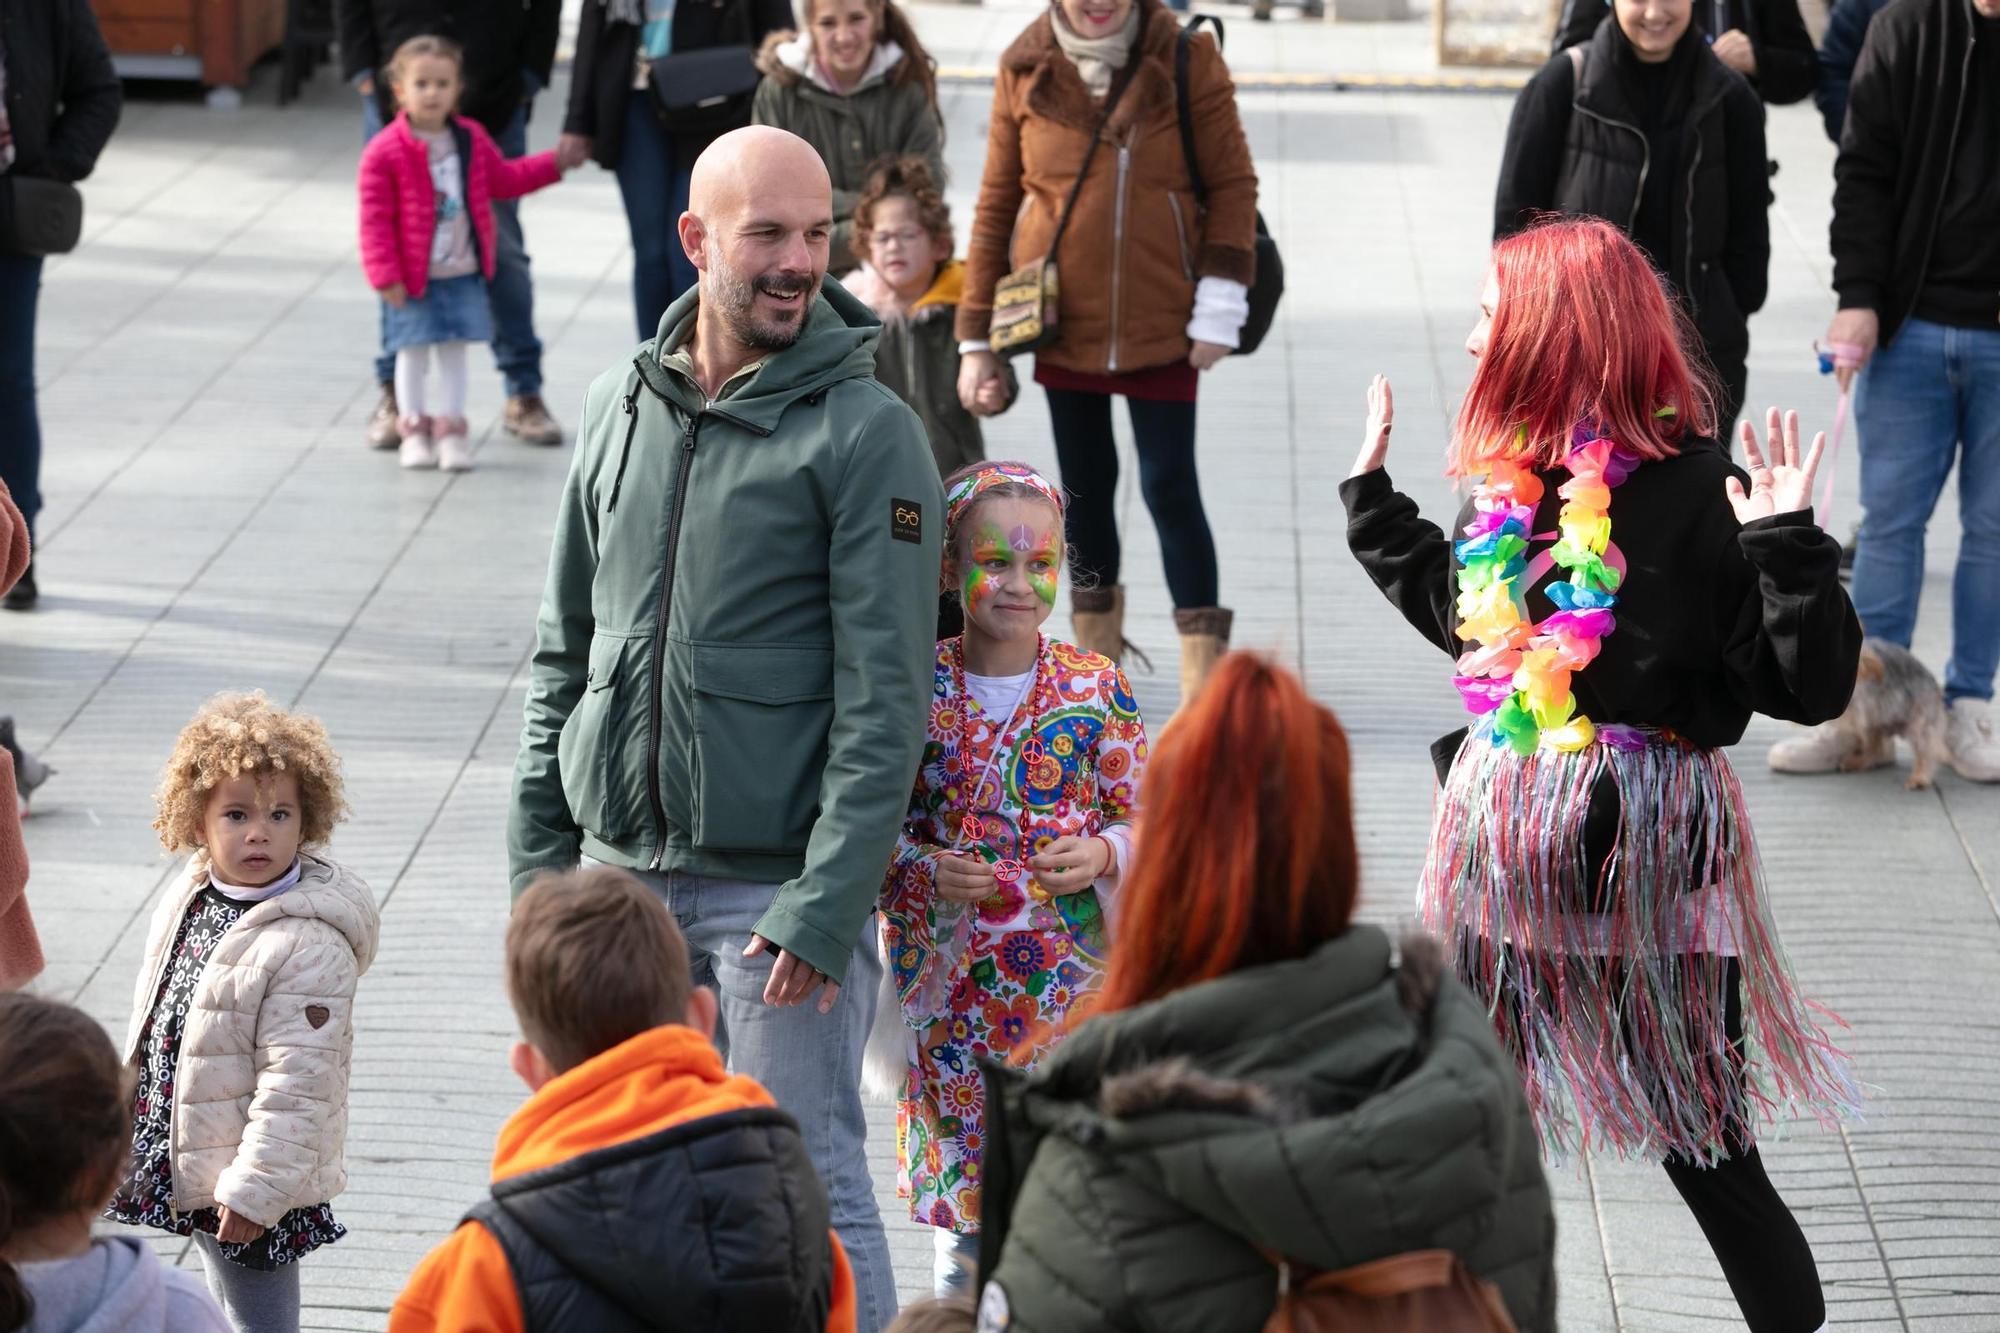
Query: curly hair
(234, 734)
(909, 178)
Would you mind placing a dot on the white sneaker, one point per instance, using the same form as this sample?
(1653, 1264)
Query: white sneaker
(1821, 750)
(417, 451)
(454, 453)
(1975, 750)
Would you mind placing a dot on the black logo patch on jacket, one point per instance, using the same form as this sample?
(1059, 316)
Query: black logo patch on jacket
(906, 520)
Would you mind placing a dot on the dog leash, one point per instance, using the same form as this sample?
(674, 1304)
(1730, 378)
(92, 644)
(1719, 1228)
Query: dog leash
(1832, 357)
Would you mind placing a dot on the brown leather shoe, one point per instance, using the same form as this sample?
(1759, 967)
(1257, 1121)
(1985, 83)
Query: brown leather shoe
(528, 420)
(382, 431)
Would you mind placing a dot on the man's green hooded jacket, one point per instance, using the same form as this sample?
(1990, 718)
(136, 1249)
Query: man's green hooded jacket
(733, 657)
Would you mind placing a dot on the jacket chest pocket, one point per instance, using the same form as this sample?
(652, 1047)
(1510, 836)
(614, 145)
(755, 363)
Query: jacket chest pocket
(761, 717)
(601, 753)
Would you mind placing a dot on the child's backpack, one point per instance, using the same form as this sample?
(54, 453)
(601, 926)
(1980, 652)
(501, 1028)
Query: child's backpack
(1430, 1291)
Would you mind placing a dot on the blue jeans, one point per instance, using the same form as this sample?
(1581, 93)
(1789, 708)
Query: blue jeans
(1927, 400)
(811, 1062)
(517, 352)
(20, 424)
(654, 184)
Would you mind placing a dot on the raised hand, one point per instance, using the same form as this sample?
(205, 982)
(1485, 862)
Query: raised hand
(1784, 487)
(1381, 417)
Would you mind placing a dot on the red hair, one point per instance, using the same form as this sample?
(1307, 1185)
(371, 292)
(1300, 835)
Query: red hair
(1247, 852)
(1584, 332)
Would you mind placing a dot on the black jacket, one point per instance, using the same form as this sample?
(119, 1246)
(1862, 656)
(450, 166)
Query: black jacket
(504, 40)
(1839, 48)
(1787, 67)
(1581, 149)
(1896, 152)
(600, 85)
(717, 1223)
(1716, 620)
(62, 96)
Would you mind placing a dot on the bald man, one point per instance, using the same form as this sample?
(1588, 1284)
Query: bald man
(732, 667)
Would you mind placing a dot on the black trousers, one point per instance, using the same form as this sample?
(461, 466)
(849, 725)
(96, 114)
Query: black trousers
(1756, 1240)
(1164, 436)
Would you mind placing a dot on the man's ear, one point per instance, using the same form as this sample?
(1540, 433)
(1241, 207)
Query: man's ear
(703, 1009)
(694, 240)
(531, 1065)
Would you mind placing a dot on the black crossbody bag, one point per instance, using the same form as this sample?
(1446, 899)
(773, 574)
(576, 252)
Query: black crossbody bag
(1269, 284)
(39, 217)
(708, 90)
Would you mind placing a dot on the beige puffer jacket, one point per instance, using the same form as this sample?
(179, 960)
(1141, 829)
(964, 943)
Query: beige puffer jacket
(260, 1094)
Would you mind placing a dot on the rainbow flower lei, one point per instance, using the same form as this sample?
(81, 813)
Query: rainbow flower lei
(1516, 677)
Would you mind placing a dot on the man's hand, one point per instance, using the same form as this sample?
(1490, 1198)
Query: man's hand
(965, 879)
(793, 980)
(1734, 50)
(1072, 863)
(1204, 355)
(1856, 327)
(573, 150)
(367, 86)
(396, 294)
(236, 1228)
(1784, 487)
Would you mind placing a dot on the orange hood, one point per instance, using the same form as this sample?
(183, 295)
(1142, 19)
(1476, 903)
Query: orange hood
(655, 1081)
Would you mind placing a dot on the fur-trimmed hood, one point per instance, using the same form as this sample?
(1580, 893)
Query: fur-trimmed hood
(787, 57)
(1333, 1109)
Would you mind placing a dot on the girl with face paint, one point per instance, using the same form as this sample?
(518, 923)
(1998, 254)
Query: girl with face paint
(994, 910)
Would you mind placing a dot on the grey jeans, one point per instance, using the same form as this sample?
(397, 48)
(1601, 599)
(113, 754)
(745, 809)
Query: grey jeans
(254, 1300)
(811, 1062)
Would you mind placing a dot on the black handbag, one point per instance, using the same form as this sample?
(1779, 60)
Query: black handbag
(42, 217)
(706, 91)
(1269, 283)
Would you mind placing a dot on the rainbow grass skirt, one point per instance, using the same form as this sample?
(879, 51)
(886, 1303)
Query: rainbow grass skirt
(1611, 983)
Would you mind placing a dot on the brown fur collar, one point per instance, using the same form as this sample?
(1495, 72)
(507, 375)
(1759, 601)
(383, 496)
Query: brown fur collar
(1176, 1085)
(1056, 90)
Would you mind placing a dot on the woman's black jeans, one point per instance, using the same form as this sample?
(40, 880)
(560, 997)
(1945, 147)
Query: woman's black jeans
(20, 425)
(1088, 456)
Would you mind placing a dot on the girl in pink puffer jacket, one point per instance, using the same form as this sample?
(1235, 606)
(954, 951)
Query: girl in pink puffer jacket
(427, 184)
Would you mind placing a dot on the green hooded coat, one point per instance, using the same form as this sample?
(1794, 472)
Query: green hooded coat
(1333, 1110)
(733, 657)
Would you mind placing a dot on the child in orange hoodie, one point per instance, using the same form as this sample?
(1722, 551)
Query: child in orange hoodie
(641, 1186)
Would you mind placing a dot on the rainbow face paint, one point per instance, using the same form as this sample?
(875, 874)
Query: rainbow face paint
(994, 555)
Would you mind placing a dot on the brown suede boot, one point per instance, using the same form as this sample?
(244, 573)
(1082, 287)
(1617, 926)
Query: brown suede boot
(1204, 639)
(1097, 618)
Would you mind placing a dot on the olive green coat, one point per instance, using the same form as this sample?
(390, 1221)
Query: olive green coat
(1333, 1110)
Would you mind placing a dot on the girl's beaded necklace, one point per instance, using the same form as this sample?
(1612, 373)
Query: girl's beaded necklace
(1517, 677)
(971, 827)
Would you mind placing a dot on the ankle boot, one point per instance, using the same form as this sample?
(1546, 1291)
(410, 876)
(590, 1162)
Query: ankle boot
(1204, 639)
(1097, 617)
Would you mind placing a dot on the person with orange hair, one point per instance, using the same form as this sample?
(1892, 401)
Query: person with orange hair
(1620, 599)
(1260, 1082)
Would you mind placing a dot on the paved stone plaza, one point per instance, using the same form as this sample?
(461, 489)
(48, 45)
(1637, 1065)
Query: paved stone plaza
(214, 521)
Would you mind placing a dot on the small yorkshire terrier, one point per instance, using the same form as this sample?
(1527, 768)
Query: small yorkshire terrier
(1894, 695)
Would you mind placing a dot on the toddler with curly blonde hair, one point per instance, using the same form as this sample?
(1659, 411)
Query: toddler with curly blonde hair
(242, 1019)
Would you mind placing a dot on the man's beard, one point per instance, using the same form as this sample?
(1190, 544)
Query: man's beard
(734, 297)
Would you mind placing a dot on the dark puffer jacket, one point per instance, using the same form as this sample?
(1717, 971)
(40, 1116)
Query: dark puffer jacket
(1583, 148)
(1334, 1109)
(714, 1224)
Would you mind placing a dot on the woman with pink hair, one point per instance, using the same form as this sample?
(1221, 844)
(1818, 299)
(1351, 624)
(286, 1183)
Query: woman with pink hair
(1619, 599)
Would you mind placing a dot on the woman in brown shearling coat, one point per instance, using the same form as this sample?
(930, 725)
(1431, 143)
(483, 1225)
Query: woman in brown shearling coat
(1153, 287)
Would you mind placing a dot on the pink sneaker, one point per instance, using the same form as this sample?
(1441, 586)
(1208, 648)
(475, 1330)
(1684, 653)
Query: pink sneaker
(416, 450)
(454, 451)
